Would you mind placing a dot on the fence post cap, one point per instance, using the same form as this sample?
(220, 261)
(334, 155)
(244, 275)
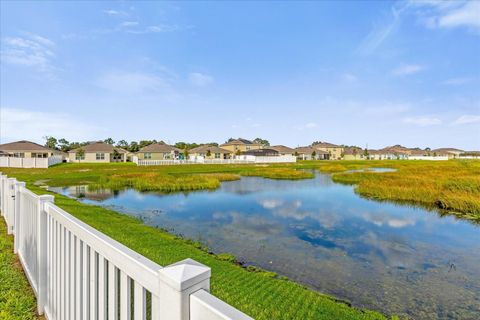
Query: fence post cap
(46, 198)
(20, 183)
(184, 274)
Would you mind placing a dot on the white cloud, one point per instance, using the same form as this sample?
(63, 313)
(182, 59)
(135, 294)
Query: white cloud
(131, 82)
(467, 119)
(22, 124)
(112, 12)
(134, 27)
(307, 126)
(457, 81)
(348, 77)
(449, 14)
(380, 32)
(129, 24)
(423, 121)
(407, 69)
(29, 51)
(200, 79)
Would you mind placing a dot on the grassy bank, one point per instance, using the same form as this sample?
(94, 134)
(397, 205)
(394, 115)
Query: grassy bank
(261, 294)
(450, 185)
(17, 300)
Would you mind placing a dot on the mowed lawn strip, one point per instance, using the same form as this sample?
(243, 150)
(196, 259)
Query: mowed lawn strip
(17, 300)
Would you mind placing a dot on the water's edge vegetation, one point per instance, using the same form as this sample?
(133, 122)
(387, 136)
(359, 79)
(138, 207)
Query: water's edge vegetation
(451, 187)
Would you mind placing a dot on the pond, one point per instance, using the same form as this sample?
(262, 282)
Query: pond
(393, 258)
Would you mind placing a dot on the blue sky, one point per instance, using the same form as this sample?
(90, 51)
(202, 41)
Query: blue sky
(355, 73)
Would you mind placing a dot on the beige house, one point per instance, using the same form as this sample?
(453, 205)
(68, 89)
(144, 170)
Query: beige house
(99, 152)
(158, 151)
(283, 150)
(209, 152)
(451, 153)
(27, 149)
(335, 151)
(309, 153)
(354, 153)
(240, 145)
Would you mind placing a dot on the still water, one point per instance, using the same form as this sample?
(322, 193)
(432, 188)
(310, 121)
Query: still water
(393, 258)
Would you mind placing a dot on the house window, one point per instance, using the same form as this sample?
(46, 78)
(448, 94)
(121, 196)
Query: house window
(79, 157)
(19, 155)
(166, 156)
(217, 155)
(248, 148)
(117, 156)
(100, 156)
(39, 155)
(147, 155)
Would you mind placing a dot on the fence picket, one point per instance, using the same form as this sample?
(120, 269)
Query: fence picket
(125, 296)
(102, 292)
(140, 302)
(93, 284)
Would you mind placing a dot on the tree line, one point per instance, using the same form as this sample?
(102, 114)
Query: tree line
(132, 146)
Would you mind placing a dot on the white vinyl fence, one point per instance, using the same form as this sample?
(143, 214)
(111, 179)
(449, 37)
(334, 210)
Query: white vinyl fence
(12, 162)
(431, 158)
(78, 272)
(202, 160)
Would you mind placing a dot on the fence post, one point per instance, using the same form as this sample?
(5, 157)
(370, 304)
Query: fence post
(10, 212)
(177, 282)
(18, 216)
(1, 194)
(42, 251)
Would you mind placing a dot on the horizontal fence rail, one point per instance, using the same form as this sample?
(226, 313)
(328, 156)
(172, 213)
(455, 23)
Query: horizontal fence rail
(77, 272)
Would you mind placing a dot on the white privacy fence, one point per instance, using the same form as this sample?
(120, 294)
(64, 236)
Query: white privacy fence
(78, 272)
(431, 158)
(202, 160)
(12, 162)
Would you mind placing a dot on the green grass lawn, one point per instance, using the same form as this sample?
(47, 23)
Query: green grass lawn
(260, 294)
(17, 300)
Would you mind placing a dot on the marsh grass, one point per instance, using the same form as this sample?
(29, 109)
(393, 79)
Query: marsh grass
(278, 173)
(448, 185)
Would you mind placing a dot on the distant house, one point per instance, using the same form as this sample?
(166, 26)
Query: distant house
(209, 152)
(394, 153)
(262, 153)
(159, 151)
(240, 145)
(283, 150)
(335, 151)
(309, 153)
(354, 153)
(27, 149)
(451, 153)
(470, 155)
(100, 152)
